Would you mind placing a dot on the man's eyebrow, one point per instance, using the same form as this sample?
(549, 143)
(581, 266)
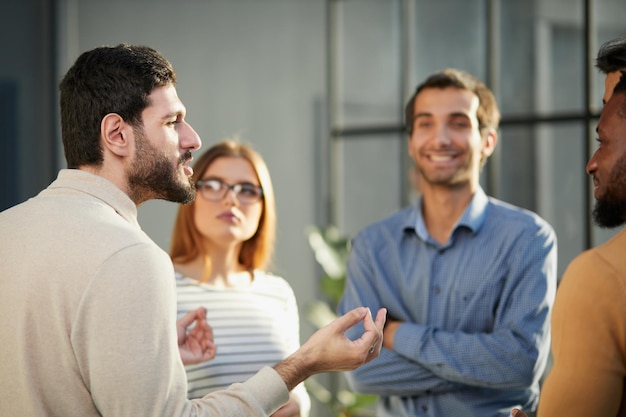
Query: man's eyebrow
(421, 114)
(171, 114)
(449, 116)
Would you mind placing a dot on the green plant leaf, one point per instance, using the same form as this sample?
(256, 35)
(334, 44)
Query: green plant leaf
(356, 401)
(333, 288)
(330, 259)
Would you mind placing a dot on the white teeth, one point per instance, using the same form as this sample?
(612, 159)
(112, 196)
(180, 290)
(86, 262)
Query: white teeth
(440, 158)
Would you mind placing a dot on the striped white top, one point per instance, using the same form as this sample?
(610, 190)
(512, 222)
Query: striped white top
(253, 326)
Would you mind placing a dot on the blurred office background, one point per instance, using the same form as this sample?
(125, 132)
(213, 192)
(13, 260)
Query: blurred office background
(319, 87)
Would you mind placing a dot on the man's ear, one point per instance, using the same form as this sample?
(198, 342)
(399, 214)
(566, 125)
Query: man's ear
(489, 143)
(409, 146)
(116, 134)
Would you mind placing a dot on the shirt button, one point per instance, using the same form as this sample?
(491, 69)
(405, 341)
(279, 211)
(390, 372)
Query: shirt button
(437, 290)
(424, 408)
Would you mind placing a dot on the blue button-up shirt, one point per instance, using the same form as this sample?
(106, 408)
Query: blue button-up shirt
(475, 311)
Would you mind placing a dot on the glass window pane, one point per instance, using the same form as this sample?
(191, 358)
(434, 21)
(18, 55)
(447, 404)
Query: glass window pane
(450, 33)
(541, 57)
(368, 60)
(513, 167)
(559, 180)
(369, 182)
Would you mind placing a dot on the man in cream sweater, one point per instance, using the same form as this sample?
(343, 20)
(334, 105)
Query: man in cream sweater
(87, 300)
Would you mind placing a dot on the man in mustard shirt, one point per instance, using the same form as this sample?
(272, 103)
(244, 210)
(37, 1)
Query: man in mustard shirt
(589, 318)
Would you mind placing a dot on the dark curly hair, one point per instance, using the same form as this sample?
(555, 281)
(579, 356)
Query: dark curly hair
(612, 55)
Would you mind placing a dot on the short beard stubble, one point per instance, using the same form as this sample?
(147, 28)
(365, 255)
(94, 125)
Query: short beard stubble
(152, 175)
(610, 210)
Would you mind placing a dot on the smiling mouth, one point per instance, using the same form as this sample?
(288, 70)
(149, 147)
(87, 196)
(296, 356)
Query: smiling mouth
(441, 158)
(594, 181)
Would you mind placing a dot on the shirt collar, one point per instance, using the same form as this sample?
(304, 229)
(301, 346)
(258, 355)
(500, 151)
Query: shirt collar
(472, 218)
(100, 188)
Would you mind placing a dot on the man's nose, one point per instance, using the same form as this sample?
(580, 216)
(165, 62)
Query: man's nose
(189, 138)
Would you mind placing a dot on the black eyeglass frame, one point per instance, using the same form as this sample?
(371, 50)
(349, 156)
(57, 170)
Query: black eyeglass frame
(237, 188)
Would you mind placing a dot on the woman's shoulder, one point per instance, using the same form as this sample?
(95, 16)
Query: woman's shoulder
(185, 272)
(268, 278)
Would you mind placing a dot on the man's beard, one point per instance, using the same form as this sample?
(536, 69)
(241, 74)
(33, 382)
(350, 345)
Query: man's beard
(152, 175)
(610, 210)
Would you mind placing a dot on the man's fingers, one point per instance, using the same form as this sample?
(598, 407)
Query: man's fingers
(374, 332)
(381, 318)
(349, 319)
(187, 319)
(374, 329)
(191, 316)
(200, 313)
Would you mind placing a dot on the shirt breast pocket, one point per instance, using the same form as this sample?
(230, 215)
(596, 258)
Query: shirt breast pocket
(476, 306)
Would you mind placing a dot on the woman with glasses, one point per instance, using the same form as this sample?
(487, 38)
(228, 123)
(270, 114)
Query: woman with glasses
(221, 246)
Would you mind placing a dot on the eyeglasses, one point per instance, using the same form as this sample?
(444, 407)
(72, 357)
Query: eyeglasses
(214, 189)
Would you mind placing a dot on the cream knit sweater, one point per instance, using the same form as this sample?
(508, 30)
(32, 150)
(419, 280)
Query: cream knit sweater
(88, 310)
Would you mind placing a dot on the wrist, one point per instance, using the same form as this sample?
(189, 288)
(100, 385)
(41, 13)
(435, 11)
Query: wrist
(294, 369)
(389, 333)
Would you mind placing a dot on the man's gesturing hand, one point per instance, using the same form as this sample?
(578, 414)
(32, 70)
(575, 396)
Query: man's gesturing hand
(329, 349)
(195, 345)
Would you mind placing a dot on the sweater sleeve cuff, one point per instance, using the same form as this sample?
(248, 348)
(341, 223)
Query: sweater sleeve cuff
(269, 389)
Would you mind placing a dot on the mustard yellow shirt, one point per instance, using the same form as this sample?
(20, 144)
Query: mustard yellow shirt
(589, 337)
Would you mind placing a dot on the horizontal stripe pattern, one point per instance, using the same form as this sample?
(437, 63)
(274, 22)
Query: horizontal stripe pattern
(253, 327)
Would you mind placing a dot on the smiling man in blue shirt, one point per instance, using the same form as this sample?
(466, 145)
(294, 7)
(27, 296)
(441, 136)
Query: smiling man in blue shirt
(468, 281)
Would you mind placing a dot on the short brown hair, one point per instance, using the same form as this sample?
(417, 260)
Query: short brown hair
(488, 114)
